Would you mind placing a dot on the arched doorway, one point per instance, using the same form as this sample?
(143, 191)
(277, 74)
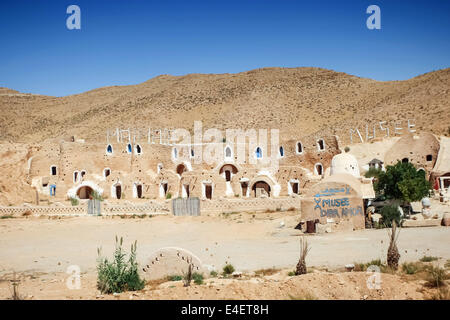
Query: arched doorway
(228, 170)
(117, 191)
(138, 190)
(261, 188)
(84, 192)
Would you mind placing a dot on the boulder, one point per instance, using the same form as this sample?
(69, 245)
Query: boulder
(446, 219)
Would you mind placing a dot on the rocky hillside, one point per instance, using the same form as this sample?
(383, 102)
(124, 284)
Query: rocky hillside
(298, 101)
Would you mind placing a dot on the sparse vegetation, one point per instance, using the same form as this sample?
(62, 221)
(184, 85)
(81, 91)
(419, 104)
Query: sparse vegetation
(291, 273)
(175, 278)
(120, 274)
(428, 259)
(7, 216)
(363, 266)
(304, 249)
(213, 274)
(412, 267)
(74, 201)
(266, 272)
(198, 278)
(228, 269)
(436, 276)
(168, 195)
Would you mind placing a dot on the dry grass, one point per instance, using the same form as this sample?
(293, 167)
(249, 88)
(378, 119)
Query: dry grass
(303, 296)
(266, 272)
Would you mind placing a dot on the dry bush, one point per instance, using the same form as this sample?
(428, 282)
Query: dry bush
(266, 272)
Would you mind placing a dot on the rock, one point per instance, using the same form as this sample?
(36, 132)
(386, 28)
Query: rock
(236, 274)
(282, 224)
(349, 267)
(446, 219)
(417, 217)
(365, 297)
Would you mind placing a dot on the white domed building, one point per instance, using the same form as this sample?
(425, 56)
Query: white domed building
(345, 163)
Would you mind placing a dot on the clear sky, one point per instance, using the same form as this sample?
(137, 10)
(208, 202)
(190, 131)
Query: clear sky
(128, 42)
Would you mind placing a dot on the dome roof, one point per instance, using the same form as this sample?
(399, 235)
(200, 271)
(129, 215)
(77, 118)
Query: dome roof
(345, 163)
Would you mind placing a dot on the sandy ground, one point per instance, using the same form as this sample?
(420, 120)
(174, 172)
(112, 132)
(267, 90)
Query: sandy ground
(40, 249)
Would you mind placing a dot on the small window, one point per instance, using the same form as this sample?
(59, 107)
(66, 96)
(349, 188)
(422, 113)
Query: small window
(138, 149)
(319, 169)
(75, 176)
(159, 167)
(258, 153)
(109, 149)
(320, 145)
(192, 153)
(129, 148)
(281, 152)
(106, 172)
(429, 157)
(175, 153)
(53, 170)
(299, 148)
(228, 152)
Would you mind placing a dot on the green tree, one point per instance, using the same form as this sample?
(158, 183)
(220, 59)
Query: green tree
(403, 182)
(373, 172)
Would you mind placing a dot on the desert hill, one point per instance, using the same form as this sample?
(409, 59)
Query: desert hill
(298, 101)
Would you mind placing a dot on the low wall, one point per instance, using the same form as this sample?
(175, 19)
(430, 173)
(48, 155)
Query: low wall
(249, 205)
(148, 208)
(154, 208)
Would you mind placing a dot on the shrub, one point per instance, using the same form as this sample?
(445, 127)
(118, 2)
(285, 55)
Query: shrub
(198, 278)
(291, 273)
(428, 259)
(436, 276)
(412, 267)
(175, 278)
(121, 274)
(168, 195)
(228, 269)
(213, 273)
(74, 201)
(390, 213)
(359, 266)
(347, 149)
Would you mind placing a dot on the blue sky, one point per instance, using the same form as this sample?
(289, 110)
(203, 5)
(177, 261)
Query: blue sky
(128, 42)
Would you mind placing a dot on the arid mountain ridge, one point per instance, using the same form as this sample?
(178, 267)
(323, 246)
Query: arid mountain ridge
(298, 101)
